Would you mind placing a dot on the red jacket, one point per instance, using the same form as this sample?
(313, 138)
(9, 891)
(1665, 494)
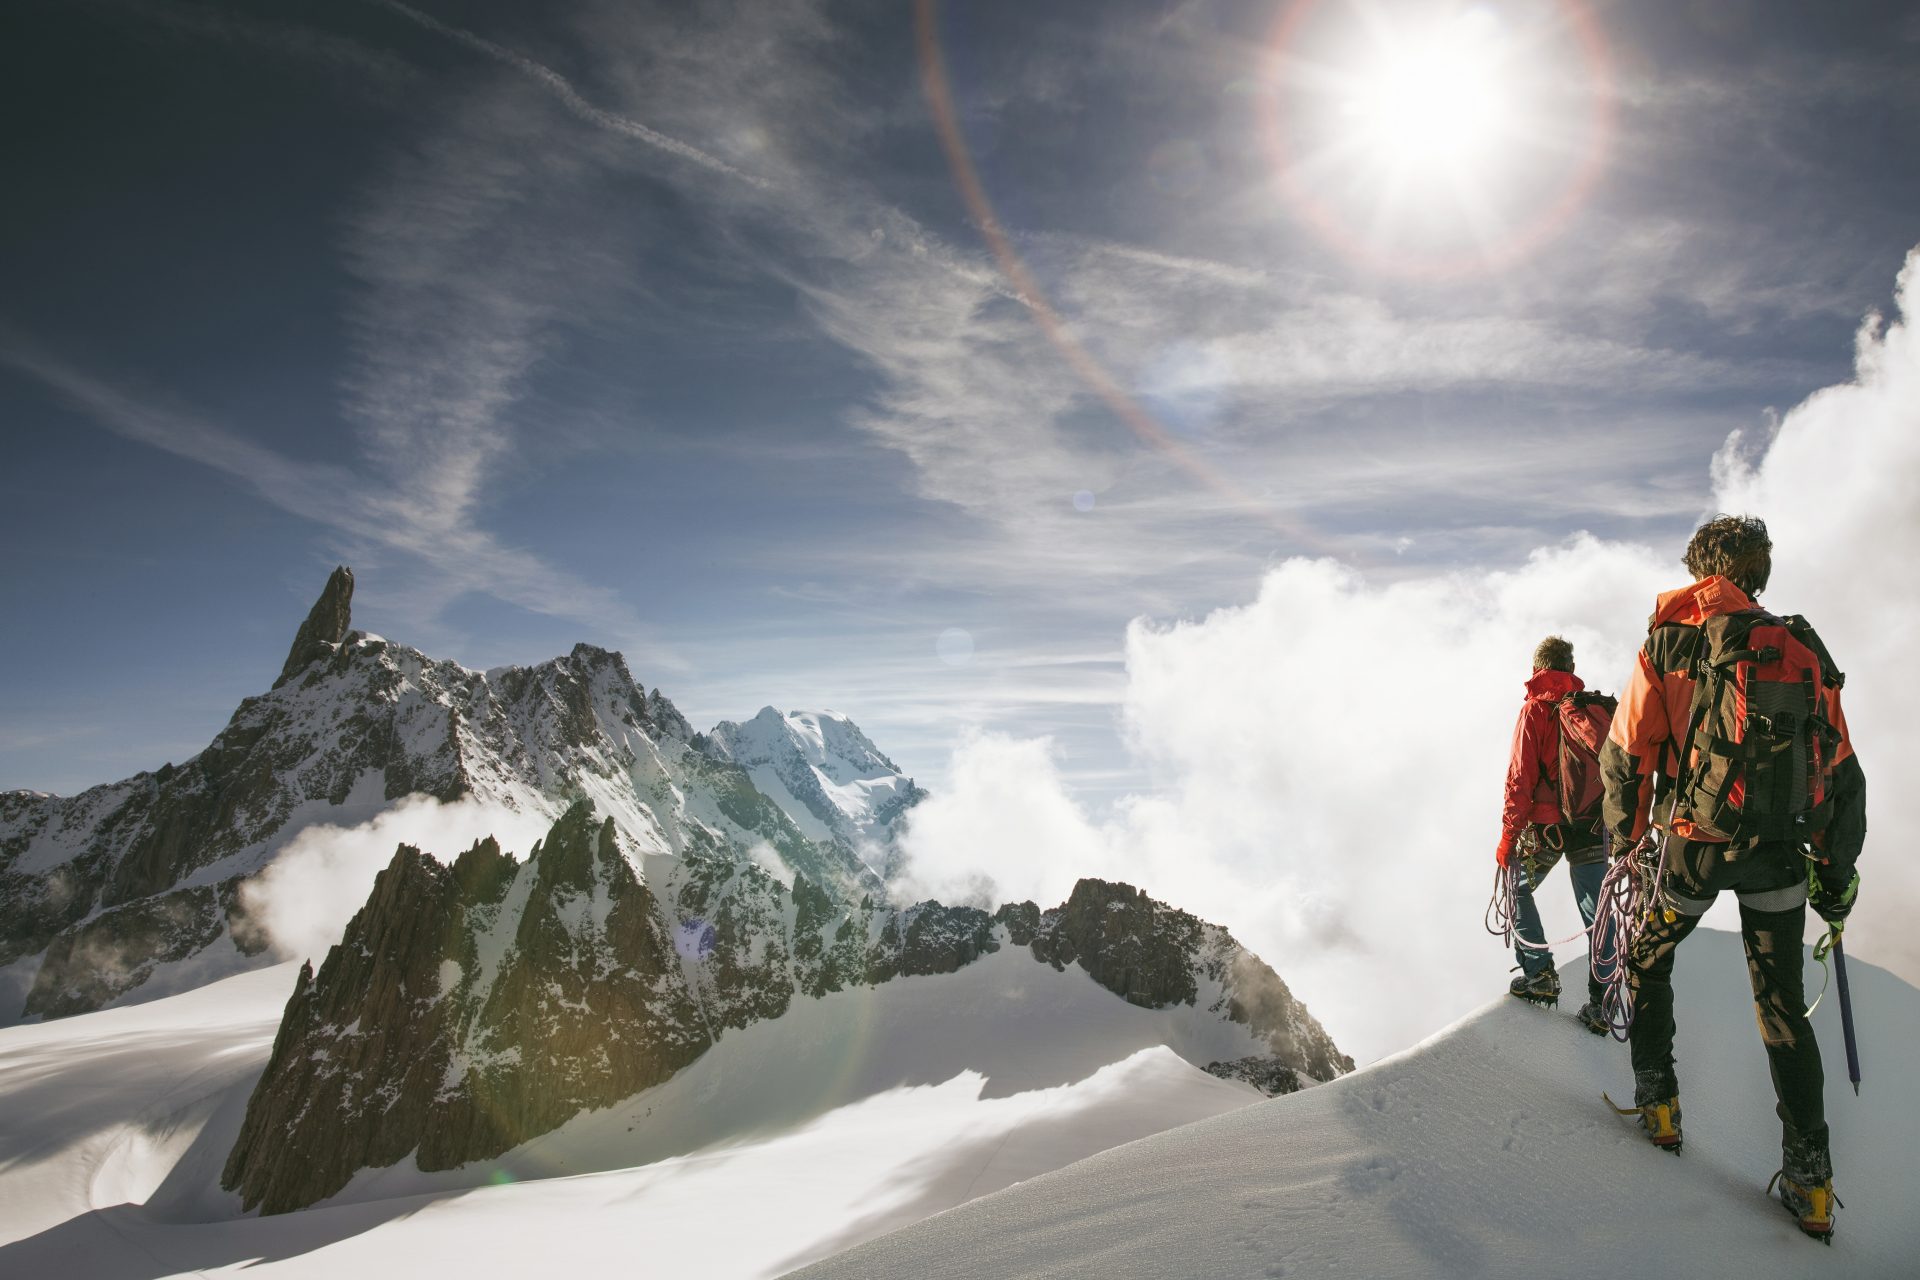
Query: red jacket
(1533, 793)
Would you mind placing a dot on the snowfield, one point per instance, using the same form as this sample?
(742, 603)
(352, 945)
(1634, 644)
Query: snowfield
(1484, 1151)
(790, 1139)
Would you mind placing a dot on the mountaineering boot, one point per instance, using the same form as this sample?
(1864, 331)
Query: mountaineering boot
(1811, 1205)
(1590, 1017)
(1660, 1121)
(1537, 988)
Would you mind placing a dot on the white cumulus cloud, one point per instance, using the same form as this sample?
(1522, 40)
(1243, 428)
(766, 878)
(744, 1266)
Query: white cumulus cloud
(306, 897)
(1328, 757)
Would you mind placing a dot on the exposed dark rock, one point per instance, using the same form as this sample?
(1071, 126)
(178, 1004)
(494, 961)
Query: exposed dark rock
(447, 1026)
(115, 951)
(929, 938)
(1269, 1075)
(1022, 921)
(325, 628)
(1139, 949)
(1156, 956)
(362, 1050)
(473, 1007)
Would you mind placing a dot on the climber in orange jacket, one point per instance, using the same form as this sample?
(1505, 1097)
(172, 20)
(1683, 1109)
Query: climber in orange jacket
(1730, 739)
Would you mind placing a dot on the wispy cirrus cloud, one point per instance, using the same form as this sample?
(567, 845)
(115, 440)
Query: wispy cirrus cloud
(570, 97)
(520, 208)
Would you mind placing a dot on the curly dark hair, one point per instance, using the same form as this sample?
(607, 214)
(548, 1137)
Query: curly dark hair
(1736, 547)
(1553, 654)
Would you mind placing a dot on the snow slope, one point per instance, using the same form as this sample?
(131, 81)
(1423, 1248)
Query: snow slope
(854, 1114)
(1485, 1152)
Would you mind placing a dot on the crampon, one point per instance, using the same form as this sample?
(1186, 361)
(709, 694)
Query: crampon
(1812, 1207)
(1542, 988)
(1659, 1120)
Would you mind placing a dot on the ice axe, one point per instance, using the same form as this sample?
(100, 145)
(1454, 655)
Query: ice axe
(1831, 943)
(1846, 1012)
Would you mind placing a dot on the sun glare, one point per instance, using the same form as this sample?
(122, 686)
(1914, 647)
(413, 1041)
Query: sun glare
(1435, 137)
(1434, 100)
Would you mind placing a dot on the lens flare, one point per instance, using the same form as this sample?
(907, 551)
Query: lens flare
(694, 939)
(938, 88)
(955, 646)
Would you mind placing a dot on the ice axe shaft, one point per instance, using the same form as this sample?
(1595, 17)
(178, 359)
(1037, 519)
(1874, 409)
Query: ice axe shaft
(1846, 1013)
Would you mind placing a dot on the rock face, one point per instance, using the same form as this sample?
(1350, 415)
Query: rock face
(325, 627)
(1154, 955)
(89, 884)
(468, 1008)
(472, 1007)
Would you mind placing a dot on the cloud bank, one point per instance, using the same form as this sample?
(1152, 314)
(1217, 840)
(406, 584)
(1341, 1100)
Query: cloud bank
(1328, 757)
(304, 900)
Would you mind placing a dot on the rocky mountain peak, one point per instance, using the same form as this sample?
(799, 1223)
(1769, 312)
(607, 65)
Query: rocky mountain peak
(326, 625)
(470, 1008)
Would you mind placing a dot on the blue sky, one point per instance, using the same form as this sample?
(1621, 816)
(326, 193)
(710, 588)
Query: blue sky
(667, 327)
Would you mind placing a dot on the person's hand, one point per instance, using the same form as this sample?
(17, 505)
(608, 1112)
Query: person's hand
(1635, 848)
(1832, 903)
(1506, 855)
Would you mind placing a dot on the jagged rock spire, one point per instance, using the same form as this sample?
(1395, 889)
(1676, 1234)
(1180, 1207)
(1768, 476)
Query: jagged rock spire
(325, 627)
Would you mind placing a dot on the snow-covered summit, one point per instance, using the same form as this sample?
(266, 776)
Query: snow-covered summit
(819, 766)
(99, 890)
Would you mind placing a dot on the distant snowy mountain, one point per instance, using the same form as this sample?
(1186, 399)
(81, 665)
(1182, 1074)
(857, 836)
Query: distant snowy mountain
(819, 767)
(473, 1007)
(101, 892)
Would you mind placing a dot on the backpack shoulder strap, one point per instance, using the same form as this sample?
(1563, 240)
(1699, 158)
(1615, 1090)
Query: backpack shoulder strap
(1703, 674)
(1802, 630)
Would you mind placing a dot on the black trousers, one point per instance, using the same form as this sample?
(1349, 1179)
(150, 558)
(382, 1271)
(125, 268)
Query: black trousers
(1770, 880)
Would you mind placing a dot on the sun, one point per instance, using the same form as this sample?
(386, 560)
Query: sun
(1435, 100)
(1432, 137)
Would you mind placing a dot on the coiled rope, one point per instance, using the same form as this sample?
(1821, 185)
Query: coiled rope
(1502, 918)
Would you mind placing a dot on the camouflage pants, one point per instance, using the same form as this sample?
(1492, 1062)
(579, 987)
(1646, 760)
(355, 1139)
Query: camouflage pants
(1770, 881)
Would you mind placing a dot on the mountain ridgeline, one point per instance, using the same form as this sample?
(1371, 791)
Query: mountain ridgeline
(473, 1006)
(690, 885)
(140, 882)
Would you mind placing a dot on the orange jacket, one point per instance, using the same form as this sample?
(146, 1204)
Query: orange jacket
(1651, 721)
